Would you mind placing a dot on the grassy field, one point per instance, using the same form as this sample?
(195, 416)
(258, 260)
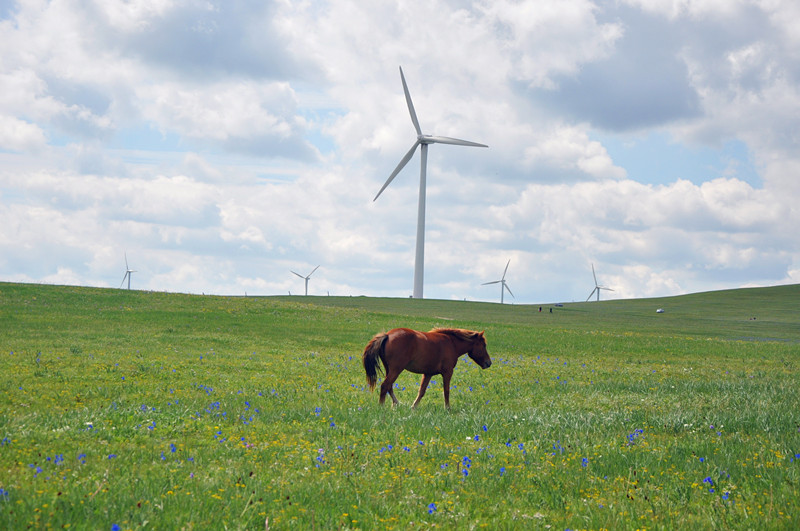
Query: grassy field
(125, 410)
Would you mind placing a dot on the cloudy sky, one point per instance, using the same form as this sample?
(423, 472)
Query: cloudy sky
(222, 144)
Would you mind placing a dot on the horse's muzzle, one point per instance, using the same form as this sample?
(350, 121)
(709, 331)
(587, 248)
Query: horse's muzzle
(487, 364)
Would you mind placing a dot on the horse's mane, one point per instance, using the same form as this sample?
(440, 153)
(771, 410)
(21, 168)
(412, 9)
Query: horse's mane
(458, 333)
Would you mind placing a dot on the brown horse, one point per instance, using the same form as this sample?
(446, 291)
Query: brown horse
(425, 353)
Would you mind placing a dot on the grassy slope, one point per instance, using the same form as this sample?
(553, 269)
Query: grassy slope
(572, 385)
(754, 313)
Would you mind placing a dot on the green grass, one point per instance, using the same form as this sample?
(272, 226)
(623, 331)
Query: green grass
(159, 410)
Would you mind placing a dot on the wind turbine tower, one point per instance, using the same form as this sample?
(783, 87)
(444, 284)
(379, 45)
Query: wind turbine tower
(503, 286)
(597, 287)
(306, 277)
(423, 141)
(128, 272)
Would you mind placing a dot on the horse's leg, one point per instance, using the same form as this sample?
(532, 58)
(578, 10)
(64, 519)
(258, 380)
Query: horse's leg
(446, 385)
(386, 386)
(426, 379)
(395, 401)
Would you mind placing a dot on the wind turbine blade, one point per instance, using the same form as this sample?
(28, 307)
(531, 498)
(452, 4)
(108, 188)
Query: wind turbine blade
(595, 276)
(409, 103)
(590, 295)
(126, 261)
(399, 167)
(453, 141)
(492, 282)
(509, 289)
(123, 280)
(506, 269)
(313, 271)
(299, 275)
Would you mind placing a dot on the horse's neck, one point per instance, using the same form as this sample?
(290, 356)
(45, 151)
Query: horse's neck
(462, 346)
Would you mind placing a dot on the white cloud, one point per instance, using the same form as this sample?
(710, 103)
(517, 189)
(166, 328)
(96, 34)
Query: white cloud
(254, 118)
(569, 149)
(222, 144)
(546, 39)
(19, 135)
(692, 8)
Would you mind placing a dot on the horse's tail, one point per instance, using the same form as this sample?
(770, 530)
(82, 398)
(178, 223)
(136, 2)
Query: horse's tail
(372, 354)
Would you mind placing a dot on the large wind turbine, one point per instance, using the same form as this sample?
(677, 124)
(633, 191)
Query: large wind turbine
(423, 141)
(502, 282)
(597, 287)
(306, 277)
(128, 272)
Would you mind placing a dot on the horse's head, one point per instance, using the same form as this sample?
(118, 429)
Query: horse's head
(478, 351)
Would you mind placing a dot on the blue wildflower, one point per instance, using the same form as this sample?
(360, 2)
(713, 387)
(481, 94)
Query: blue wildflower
(632, 436)
(431, 508)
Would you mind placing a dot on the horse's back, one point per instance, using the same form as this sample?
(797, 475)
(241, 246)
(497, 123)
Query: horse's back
(405, 336)
(403, 331)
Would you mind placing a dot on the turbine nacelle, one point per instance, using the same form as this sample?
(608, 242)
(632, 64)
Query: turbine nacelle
(504, 287)
(128, 273)
(306, 278)
(597, 287)
(424, 141)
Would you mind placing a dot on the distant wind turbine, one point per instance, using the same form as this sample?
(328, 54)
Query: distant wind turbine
(503, 286)
(423, 141)
(306, 277)
(128, 272)
(597, 287)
